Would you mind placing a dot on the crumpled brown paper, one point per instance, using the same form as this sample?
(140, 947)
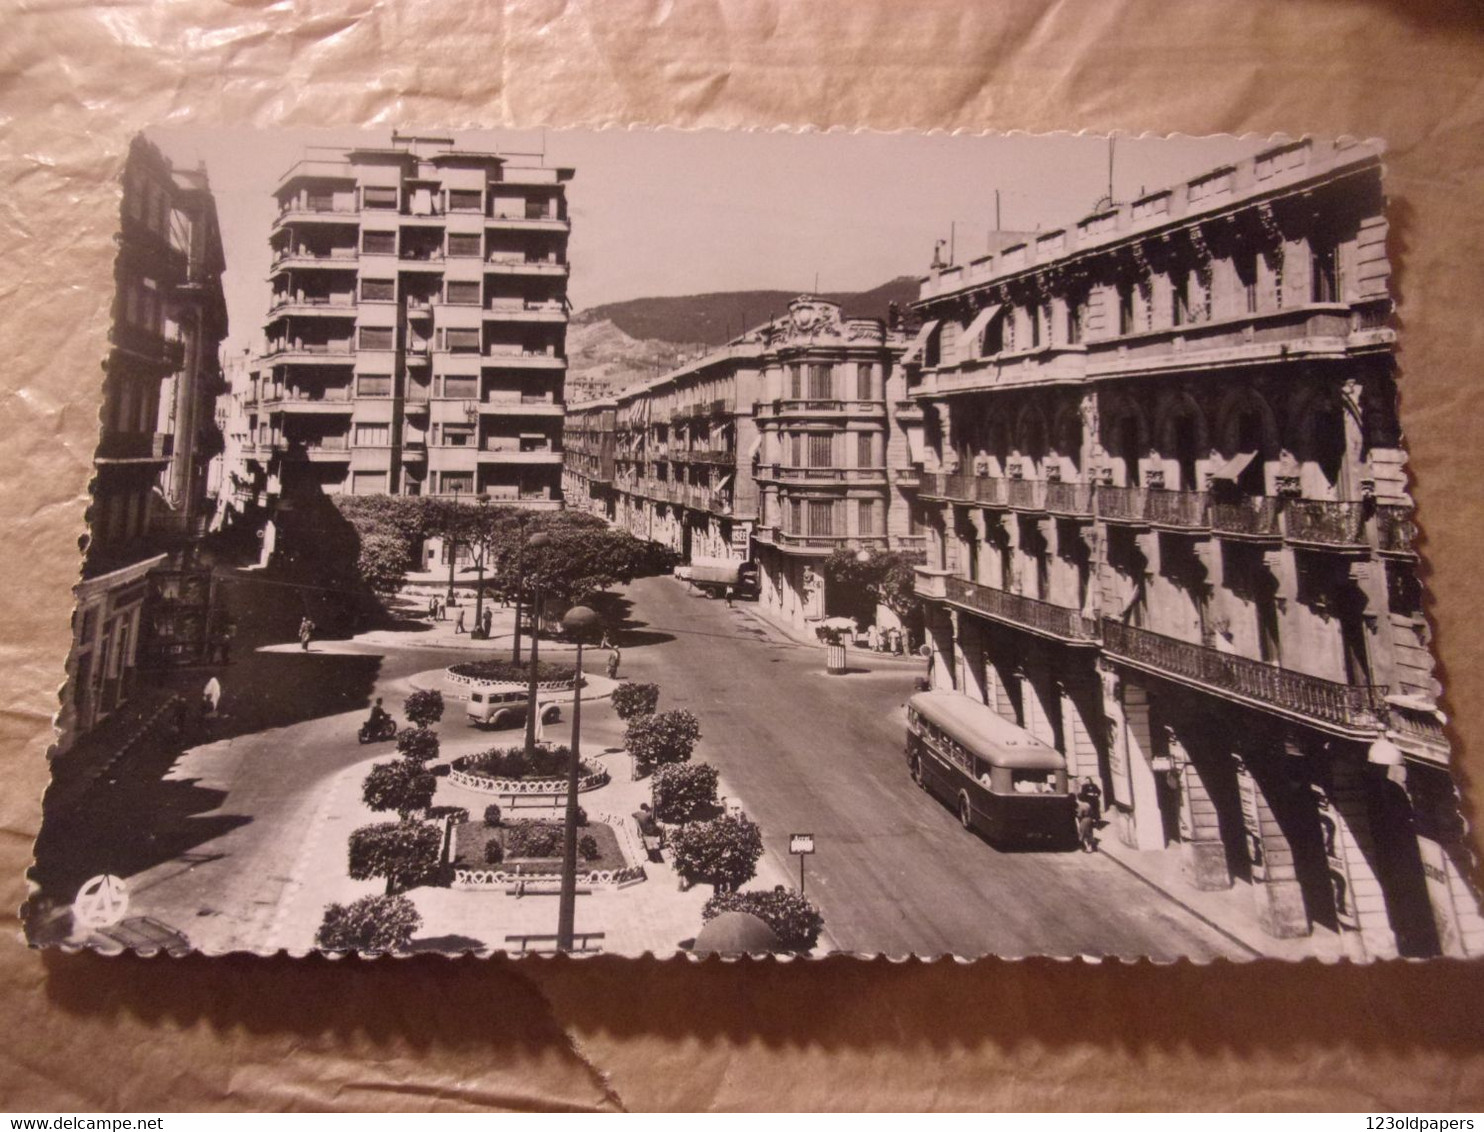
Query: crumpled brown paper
(120, 1034)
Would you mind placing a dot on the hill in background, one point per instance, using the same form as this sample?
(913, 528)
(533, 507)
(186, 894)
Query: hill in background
(615, 345)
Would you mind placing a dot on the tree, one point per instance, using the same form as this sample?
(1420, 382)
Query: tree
(723, 851)
(681, 791)
(404, 852)
(887, 577)
(632, 700)
(372, 923)
(794, 920)
(383, 561)
(418, 744)
(424, 708)
(402, 786)
(668, 737)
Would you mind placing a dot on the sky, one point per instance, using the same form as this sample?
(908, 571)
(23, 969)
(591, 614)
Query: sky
(672, 212)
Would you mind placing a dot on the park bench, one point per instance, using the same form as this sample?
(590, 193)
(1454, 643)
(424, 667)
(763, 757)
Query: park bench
(581, 941)
(512, 801)
(541, 886)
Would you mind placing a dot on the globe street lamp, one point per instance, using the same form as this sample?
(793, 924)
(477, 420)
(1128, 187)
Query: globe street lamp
(538, 541)
(579, 623)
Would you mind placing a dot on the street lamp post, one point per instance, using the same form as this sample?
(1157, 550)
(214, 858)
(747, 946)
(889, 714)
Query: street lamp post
(537, 541)
(453, 542)
(579, 624)
(484, 536)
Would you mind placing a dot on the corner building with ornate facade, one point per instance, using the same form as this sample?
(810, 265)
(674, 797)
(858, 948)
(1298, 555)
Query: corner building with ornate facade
(782, 447)
(1170, 535)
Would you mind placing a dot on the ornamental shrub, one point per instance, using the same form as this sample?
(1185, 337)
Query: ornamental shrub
(533, 839)
(683, 791)
(417, 743)
(668, 737)
(587, 847)
(423, 709)
(372, 923)
(632, 700)
(492, 816)
(405, 853)
(794, 920)
(403, 786)
(723, 851)
(493, 852)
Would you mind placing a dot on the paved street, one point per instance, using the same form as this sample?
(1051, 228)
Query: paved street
(220, 841)
(893, 872)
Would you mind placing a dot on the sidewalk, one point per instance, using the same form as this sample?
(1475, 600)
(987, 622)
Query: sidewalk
(1229, 911)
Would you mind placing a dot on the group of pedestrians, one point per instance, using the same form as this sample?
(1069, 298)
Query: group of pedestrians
(888, 641)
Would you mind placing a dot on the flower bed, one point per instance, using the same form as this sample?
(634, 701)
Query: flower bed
(507, 772)
(608, 868)
(503, 676)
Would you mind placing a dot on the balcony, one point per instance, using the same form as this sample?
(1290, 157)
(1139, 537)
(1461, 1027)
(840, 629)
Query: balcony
(1059, 622)
(526, 312)
(135, 448)
(1325, 523)
(1026, 495)
(1254, 518)
(527, 223)
(1350, 709)
(313, 353)
(1073, 499)
(909, 477)
(1395, 530)
(521, 266)
(982, 491)
(507, 357)
(343, 259)
(828, 544)
(1121, 504)
(1178, 510)
(817, 407)
(329, 449)
(784, 474)
(335, 306)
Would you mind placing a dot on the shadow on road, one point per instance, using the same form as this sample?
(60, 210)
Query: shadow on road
(623, 629)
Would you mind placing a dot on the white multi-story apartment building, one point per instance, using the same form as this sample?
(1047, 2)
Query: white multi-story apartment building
(416, 337)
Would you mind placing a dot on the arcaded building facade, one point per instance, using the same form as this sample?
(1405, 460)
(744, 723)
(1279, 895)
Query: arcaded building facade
(1170, 535)
(416, 340)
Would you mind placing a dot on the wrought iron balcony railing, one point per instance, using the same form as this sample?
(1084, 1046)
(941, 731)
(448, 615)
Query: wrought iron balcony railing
(1182, 510)
(1059, 621)
(1395, 530)
(1324, 522)
(1121, 504)
(1253, 517)
(1349, 707)
(1069, 498)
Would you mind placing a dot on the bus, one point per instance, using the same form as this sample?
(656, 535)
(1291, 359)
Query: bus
(1002, 783)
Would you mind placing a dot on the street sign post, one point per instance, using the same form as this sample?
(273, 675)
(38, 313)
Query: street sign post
(801, 844)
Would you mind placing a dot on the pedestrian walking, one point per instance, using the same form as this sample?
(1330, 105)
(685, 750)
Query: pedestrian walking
(459, 624)
(1086, 827)
(433, 608)
(489, 622)
(873, 638)
(730, 593)
(613, 660)
(306, 633)
(442, 604)
(1091, 793)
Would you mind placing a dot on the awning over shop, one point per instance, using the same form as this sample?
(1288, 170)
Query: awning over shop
(914, 351)
(1233, 468)
(968, 345)
(752, 449)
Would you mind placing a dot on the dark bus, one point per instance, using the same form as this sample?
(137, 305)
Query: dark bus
(1000, 781)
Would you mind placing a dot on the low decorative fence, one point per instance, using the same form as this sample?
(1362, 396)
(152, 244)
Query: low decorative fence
(474, 879)
(590, 779)
(458, 687)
